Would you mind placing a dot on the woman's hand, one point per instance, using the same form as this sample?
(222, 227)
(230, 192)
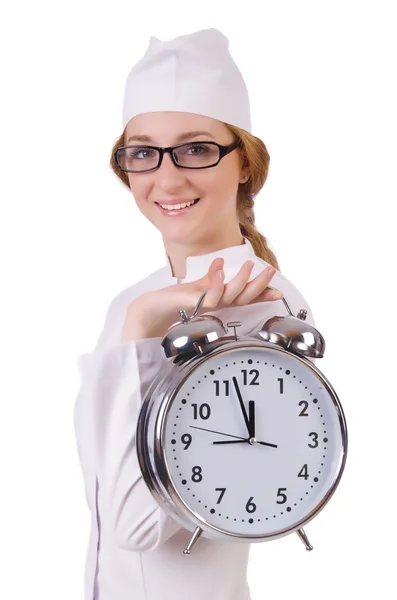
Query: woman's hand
(151, 314)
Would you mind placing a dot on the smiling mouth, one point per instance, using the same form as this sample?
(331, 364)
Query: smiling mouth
(172, 210)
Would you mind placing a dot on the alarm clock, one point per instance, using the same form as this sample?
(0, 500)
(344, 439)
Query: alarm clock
(241, 438)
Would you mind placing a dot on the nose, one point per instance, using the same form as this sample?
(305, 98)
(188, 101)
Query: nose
(168, 171)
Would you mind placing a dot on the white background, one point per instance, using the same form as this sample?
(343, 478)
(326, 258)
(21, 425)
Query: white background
(322, 83)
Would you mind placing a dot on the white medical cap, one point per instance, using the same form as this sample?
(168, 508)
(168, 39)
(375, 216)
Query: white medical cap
(191, 73)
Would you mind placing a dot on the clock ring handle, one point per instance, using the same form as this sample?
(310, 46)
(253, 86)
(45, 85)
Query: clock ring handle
(199, 303)
(269, 287)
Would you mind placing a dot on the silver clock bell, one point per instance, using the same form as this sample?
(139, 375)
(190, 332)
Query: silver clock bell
(193, 334)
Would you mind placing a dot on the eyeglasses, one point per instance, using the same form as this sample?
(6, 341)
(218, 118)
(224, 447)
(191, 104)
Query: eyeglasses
(194, 155)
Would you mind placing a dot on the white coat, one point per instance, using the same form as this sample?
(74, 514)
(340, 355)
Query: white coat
(135, 549)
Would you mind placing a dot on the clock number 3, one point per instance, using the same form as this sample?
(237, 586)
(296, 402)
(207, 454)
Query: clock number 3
(315, 439)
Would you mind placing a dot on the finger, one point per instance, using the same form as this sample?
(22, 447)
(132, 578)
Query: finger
(236, 285)
(214, 291)
(268, 296)
(255, 288)
(205, 281)
(216, 264)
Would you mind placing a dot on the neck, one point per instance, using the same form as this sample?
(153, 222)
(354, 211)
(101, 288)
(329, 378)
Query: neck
(177, 251)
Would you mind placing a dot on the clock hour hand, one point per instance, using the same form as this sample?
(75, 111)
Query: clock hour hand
(251, 416)
(242, 405)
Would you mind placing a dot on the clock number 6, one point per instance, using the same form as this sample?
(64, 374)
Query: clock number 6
(250, 507)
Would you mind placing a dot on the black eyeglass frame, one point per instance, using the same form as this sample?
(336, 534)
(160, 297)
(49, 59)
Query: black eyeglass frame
(223, 151)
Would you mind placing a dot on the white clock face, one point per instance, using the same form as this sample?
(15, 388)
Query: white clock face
(267, 485)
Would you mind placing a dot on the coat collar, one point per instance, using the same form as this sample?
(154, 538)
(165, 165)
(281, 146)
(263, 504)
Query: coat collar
(197, 266)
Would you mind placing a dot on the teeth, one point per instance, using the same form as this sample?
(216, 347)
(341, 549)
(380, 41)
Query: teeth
(176, 206)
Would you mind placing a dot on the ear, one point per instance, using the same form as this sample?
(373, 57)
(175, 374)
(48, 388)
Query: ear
(245, 174)
(244, 169)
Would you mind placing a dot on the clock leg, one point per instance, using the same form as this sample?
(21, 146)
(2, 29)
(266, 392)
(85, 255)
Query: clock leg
(195, 537)
(304, 539)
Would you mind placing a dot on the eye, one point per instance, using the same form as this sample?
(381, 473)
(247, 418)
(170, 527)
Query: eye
(201, 148)
(133, 153)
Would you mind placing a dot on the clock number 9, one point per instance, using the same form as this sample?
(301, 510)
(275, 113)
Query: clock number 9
(186, 439)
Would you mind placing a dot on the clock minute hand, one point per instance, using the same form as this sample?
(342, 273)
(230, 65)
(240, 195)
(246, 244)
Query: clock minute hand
(242, 405)
(238, 441)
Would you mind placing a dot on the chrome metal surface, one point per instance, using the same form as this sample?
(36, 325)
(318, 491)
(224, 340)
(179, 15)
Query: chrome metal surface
(151, 430)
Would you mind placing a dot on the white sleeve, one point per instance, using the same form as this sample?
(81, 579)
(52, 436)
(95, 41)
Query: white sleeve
(117, 383)
(113, 381)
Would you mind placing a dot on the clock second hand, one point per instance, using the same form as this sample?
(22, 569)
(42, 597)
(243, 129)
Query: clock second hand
(240, 439)
(220, 432)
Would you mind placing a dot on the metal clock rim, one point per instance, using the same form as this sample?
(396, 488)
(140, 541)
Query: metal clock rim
(162, 464)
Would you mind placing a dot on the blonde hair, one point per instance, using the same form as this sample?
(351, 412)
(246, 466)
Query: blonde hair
(255, 154)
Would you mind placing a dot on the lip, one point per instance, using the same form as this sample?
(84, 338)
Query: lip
(176, 212)
(177, 201)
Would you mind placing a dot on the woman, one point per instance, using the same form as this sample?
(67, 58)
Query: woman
(215, 167)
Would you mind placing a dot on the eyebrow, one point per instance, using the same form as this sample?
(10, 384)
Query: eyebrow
(180, 138)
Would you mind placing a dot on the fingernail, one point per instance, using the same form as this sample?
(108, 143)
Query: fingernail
(221, 274)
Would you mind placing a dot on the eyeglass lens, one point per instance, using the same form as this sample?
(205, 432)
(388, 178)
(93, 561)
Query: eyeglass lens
(141, 158)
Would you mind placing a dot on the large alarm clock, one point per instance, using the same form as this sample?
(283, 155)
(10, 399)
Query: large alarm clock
(241, 438)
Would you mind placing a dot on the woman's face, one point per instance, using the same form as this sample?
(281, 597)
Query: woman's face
(215, 186)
